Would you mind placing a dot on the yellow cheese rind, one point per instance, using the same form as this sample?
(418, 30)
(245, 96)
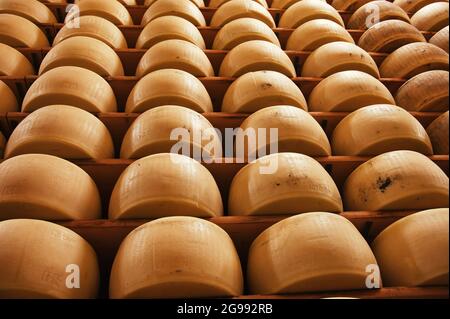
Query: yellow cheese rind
(32, 10)
(198, 259)
(254, 56)
(309, 252)
(35, 256)
(315, 33)
(376, 11)
(413, 59)
(440, 39)
(378, 129)
(175, 54)
(399, 180)
(181, 8)
(84, 52)
(236, 9)
(242, 30)
(71, 85)
(14, 63)
(2, 144)
(414, 250)
(298, 184)
(432, 17)
(218, 3)
(16, 31)
(350, 90)
(284, 4)
(164, 185)
(425, 92)
(62, 131)
(256, 90)
(167, 28)
(46, 187)
(438, 133)
(413, 6)
(150, 133)
(169, 87)
(348, 5)
(198, 3)
(113, 11)
(339, 56)
(8, 99)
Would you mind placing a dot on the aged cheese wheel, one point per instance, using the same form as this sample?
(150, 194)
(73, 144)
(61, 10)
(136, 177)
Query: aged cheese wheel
(414, 250)
(218, 3)
(71, 85)
(309, 252)
(35, 256)
(348, 91)
(14, 63)
(113, 11)
(85, 52)
(298, 132)
(348, 5)
(376, 11)
(413, 6)
(198, 259)
(175, 54)
(16, 31)
(242, 30)
(438, 132)
(167, 28)
(432, 17)
(94, 27)
(256, 90)
(151, 133)
(440, 39)
(181, 8)
(165, 185)
(315, 33)
(399, 180)
(307, 10)
(284, 4)
(254, 56)
(2, 144)
(198, 3)
(283, 184)
(53, 1)
(8, 98)
(46, 187)
(387, 36)
(32, 10)
(236, 9)
(339, 56)
(413, 59)
(425, 92)
(378, 129)
(63, 131)
(169, 87)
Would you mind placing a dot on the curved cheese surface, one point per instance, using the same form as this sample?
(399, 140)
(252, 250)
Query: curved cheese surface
(374, 12)
(218, 3)
(181, 8)
(348, 5)
(414, 6)
(16, 31)
(284, 4)
(438, 132)
(32, 10)
(432, 17)
(8, 98)
(236, 9)
(440, 39)
(14, 63)
(113, 11)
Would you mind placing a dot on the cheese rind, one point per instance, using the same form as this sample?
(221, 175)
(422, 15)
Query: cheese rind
(181, 8)
(432, 17)
(348, 5)
(8, 98)
(284, 4)
(16, 31)
(198, 3)
(218, 3)
(438, 133)
(236, 9)
(441, 38)
(113, 11)
(14, 63)
(32, 10)
(413, 6)
(374, 12)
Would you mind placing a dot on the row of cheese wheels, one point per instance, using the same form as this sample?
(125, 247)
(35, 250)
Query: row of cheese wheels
(50, 188)
(307, 253)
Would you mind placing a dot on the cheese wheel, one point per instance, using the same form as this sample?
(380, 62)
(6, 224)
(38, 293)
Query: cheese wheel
(97, 28)
(440, 39)
(181, 8)
(283, 184)
(298, 132)
(169, 87)
(388, 36)
(36, 257)
(175, 54)
(307, 10)
(378, 129)
(16, 31)
(374, 12)
(14, 63)
(218, 3)
(53, 1)
(198, 3)
(32, 10)
(167, 28)
(254, 56)
(63, 131)
(150, 133)
(348, 5)
(425, 92)
(242, 30)
(348, 91)
(414, 250)
(84, 52)
(2, 144)
(236, 9)
(339, 56)
(124, 2)
(438, 132)
(413, 6)
(113, 11)
(399, 180)
(46, 187)
(8, 98)
(70, 85)
(198, 259)
(315, 33)
(309, 252)
(284, 4)
(256, 90)
(164, 185)
(432, 17)
(413, 59)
